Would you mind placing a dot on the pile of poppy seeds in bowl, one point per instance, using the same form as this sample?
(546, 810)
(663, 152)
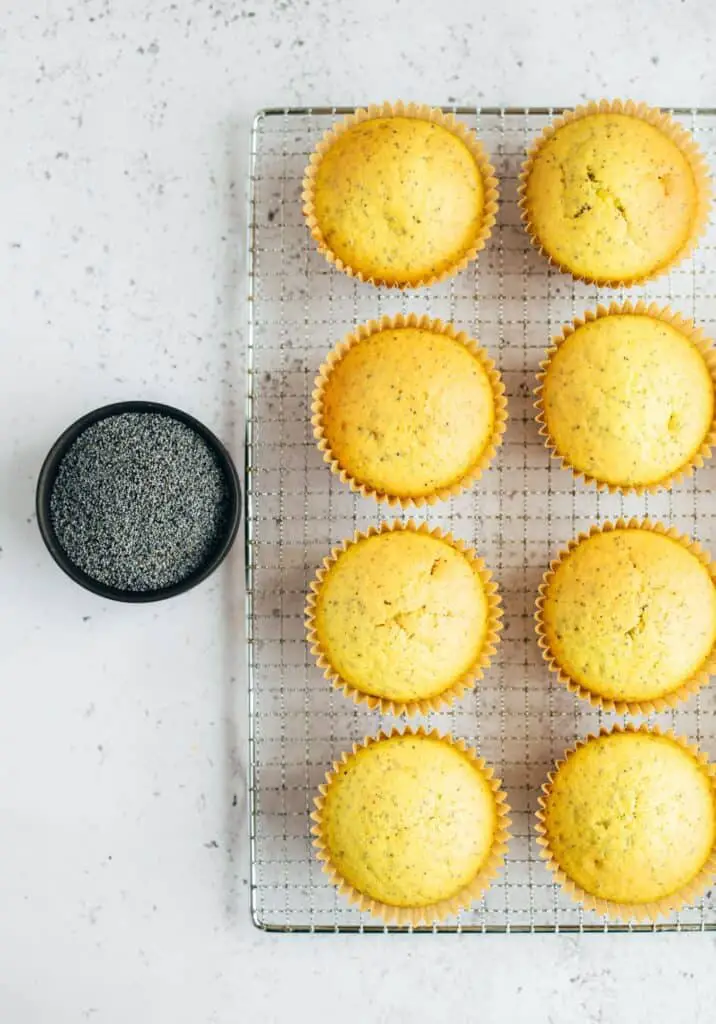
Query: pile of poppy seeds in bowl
(140, 501)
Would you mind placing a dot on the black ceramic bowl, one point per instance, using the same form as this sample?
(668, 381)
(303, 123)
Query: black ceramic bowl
(46, 483)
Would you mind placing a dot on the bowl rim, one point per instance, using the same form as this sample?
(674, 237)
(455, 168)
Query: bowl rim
(48, 474)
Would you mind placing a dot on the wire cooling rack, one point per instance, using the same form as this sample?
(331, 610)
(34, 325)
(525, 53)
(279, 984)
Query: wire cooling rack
(518, 516)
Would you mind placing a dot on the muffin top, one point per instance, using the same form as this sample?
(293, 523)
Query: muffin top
(409, 820)
(628, 399)
(401, 615)
(630, 614)
(611, 197)
(630, 817)
(399, 199)
(408, 411)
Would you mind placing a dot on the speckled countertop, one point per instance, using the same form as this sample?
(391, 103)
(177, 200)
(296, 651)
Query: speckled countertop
(123, 860)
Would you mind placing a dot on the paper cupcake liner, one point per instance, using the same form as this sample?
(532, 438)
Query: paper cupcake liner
(422, 113)
(438, 911)
(388, 323)
(616, 911)
(455, 691)
(680, 693)
(686, 327)
(678, 135)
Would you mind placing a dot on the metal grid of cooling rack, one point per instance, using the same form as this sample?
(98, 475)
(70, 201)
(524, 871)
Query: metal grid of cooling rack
(518, 516)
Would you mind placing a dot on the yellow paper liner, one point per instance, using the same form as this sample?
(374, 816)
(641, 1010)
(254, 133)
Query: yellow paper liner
(388, 323)
(678, 135)
(438, 911)
(681, 692)
(423, 113)
(692, 333)
(617, 911)
(454, 691)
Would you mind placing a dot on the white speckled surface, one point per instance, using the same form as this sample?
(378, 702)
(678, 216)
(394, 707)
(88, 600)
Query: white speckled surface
(122, 176)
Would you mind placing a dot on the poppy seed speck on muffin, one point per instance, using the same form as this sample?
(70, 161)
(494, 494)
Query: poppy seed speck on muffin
(139, 502)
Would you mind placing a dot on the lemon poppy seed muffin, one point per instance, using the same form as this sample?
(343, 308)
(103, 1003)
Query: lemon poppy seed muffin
(400, 196)
(411, 821)
(627, 397)
(408, 410)
(403, 618)
(629, 819)
(615, 193)
(628, 615)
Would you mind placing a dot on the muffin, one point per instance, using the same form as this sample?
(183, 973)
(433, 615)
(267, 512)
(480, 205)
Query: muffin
(615, 193)
(626, 617)
(407, 410)
(403, 618)
(411, 827)
(400, 195)
(627, 823)
(626, 397)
